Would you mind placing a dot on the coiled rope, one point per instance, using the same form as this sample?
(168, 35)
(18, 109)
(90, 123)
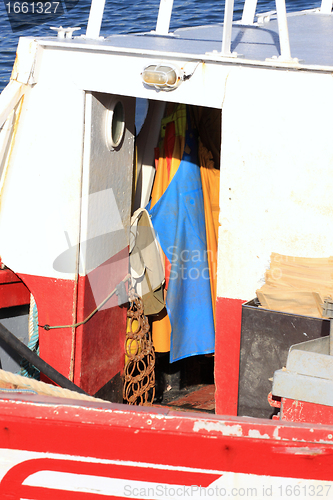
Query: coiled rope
(139, 373)
(17, 381)
(27, 369)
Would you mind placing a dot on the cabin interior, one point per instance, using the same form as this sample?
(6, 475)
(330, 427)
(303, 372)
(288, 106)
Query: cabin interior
(159, 128)
(183, 379)
(144, 188)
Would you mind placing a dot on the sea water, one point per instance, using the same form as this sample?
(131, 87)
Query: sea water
(123, 16)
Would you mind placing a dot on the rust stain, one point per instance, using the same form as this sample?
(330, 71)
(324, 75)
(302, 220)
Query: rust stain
(74, 316)
(306, 451)
(15, 68)
(23, 51)
(307, 204)
(7, 162)
(310, 452)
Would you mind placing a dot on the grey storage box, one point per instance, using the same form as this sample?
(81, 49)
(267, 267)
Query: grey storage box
(266, 337)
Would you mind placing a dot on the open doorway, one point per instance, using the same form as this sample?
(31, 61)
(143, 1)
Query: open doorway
(178, 148)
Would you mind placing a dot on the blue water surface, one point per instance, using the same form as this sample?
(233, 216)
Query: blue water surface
(123, 16)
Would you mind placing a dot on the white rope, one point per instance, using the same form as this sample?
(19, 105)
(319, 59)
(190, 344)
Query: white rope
(31, 318)
(42, 388)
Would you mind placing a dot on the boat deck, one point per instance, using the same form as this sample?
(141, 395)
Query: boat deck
(310, 33)
(199, 398)
(186, 385)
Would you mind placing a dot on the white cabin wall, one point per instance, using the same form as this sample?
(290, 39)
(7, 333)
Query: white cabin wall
(116, 73)
(276, 173)
(276, 158)
(43, 179)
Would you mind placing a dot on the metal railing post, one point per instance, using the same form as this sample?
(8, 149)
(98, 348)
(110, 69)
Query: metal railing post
(95, 18)
(249, 11)
(326, 6)
(164, 17)
(283, 30)
(227, 28)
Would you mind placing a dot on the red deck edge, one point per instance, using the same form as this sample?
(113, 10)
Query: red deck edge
(155, 436)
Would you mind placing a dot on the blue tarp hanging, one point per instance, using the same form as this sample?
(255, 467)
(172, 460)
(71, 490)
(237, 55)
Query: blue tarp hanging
(179, 222)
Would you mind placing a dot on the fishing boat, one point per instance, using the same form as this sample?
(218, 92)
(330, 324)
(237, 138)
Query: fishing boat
(161, 173)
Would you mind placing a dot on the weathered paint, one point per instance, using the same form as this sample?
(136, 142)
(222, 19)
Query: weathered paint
(8, 146)
(227, 351)
(48, 185)
(50, 446)
(226, 430)
(54, 299)
(261, 212)
(99, 344)
(95, 71)
(9, 99)
(300, 411)
(76, 254)
(13, 292)
(270, 199)
(26, 57)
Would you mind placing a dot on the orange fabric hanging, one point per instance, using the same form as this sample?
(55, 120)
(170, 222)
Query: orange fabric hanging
(173, 129)
(161, 332)
(210, 178)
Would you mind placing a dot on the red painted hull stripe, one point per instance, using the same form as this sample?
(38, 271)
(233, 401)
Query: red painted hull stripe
(16, 476)
(51, 494)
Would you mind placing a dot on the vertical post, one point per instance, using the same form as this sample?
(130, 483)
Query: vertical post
(227, 28)
(249, 11)
(95, 18)
(283, 30)
(326, 6)
(164, 16)
(328, 313)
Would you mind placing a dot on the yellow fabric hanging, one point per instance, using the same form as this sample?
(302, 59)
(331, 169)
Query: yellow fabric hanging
(210, 178)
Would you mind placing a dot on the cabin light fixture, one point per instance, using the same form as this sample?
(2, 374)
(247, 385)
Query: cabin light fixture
(162, 76)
